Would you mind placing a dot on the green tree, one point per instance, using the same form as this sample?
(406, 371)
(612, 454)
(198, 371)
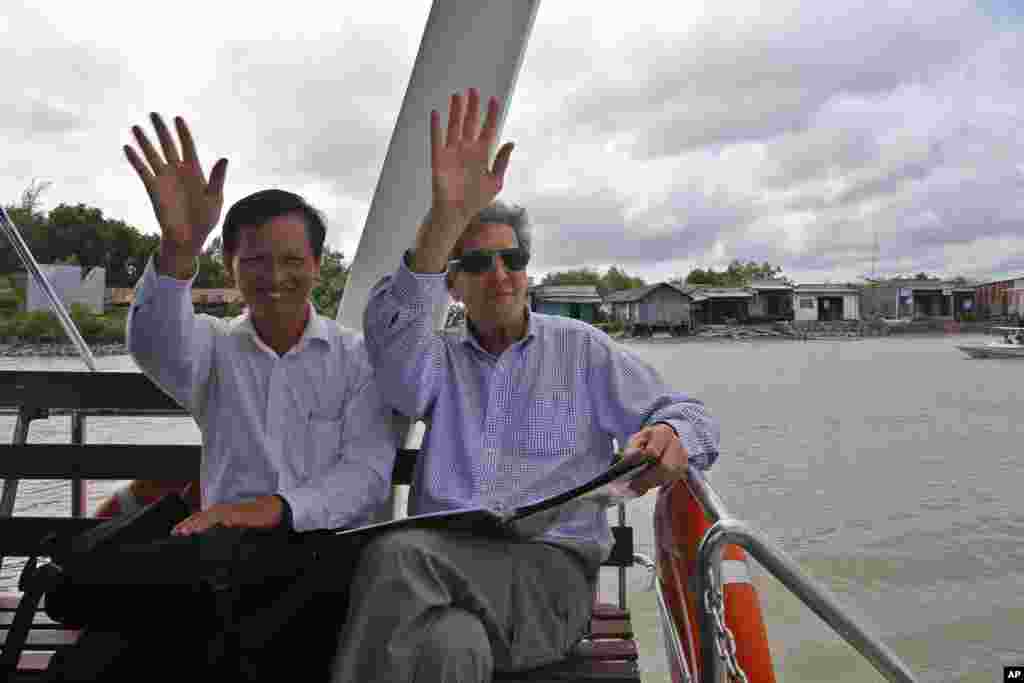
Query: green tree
(616, 279)
(579, 276)
(613, 280)
(333, 277)
(708, 278)
(84, 232)
(31, 222)
(736, 274)
(74, 231)
(212, 273)
(79, 234)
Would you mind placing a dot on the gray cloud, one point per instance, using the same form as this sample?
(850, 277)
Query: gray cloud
(822, 151)
(790, 137)
(53, 86)
(324, 108)
(572, 231)
(722, 83)
(35, 117)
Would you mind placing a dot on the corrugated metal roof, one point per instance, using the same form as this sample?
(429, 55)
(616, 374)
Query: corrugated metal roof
(723, 293)
(1012, 282)
(627, 295)
(780, 285)
(639, 293)
(935, 286)
(586, 294)
(826, 287)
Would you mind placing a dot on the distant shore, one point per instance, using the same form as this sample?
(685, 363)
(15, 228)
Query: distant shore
(55, 350)
(19, 349)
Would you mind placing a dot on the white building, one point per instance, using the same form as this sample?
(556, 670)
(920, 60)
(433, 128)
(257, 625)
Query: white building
(70, 286)
(826, 302)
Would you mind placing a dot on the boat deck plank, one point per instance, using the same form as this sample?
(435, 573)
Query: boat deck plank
(598, 658)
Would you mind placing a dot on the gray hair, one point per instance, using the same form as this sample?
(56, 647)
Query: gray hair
(508, 214)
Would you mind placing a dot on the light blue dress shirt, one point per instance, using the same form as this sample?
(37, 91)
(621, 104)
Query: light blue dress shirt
(532, 422)
(309, 425)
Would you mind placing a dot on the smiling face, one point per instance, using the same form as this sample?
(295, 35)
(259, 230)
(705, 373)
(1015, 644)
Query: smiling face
(497, 297)
(274, 268)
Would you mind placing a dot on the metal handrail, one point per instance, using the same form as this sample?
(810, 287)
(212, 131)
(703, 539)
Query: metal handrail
(668, 624)
(21, 248)
(726, 530)
(107, 412)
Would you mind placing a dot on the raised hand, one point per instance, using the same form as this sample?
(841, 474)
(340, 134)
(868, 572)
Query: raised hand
(462, 182)
(186, 205)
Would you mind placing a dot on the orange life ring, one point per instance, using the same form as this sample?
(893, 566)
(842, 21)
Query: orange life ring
(680, 524)
(141, 492)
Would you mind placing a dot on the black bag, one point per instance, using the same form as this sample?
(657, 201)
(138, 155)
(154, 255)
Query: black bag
(78, 603)
(93, 586)
(235, 599)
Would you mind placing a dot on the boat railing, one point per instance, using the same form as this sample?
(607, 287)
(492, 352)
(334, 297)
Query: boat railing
(726, 530)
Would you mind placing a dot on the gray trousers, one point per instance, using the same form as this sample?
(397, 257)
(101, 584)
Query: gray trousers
(449, 607)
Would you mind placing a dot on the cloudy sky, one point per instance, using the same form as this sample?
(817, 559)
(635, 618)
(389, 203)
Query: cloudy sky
(658, 136)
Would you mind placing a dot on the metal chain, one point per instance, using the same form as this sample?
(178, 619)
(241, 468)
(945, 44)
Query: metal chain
(725, 643)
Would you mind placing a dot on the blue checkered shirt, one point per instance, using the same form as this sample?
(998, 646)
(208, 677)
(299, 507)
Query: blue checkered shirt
(532, 422)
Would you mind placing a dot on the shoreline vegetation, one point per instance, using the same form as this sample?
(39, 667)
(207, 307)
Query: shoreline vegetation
(39, 333)
(110, 339)
(57, 350)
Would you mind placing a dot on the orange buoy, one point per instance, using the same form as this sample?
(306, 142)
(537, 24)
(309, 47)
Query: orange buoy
(680, 524)
(141, 492)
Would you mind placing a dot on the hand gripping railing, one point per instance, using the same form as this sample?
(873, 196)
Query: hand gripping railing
(724, 531)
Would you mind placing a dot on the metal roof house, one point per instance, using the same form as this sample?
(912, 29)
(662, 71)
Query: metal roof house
(645, 310)
(1000, 298)
(571, 301)
(826, 302)
(913, 298)
(721, 305)
(773, 300)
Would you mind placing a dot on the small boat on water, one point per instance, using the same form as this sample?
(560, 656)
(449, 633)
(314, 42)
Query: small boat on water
(1009, 345)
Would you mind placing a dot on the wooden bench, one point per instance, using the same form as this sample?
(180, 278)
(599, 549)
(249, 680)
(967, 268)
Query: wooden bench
(608, 654)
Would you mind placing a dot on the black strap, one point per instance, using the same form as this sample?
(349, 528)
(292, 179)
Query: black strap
(34, 582)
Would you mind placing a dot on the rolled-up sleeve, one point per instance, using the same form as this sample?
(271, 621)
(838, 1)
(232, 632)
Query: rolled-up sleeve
(630, 395)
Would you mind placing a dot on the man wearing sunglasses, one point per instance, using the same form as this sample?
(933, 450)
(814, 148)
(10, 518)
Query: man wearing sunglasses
(519, 406)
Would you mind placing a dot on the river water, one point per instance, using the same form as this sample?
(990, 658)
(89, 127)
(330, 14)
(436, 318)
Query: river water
(891, 469)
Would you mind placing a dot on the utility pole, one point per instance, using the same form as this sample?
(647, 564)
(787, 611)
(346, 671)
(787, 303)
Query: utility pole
(874, 257)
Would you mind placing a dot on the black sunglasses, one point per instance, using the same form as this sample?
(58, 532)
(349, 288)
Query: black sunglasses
(482, 260)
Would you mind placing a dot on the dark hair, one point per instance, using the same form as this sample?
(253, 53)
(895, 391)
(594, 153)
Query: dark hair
(258, 208)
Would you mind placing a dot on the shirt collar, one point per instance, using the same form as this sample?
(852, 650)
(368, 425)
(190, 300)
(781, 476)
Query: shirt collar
(316, 328)
(470, 337)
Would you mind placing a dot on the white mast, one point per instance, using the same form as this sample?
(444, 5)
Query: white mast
(466, 43)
